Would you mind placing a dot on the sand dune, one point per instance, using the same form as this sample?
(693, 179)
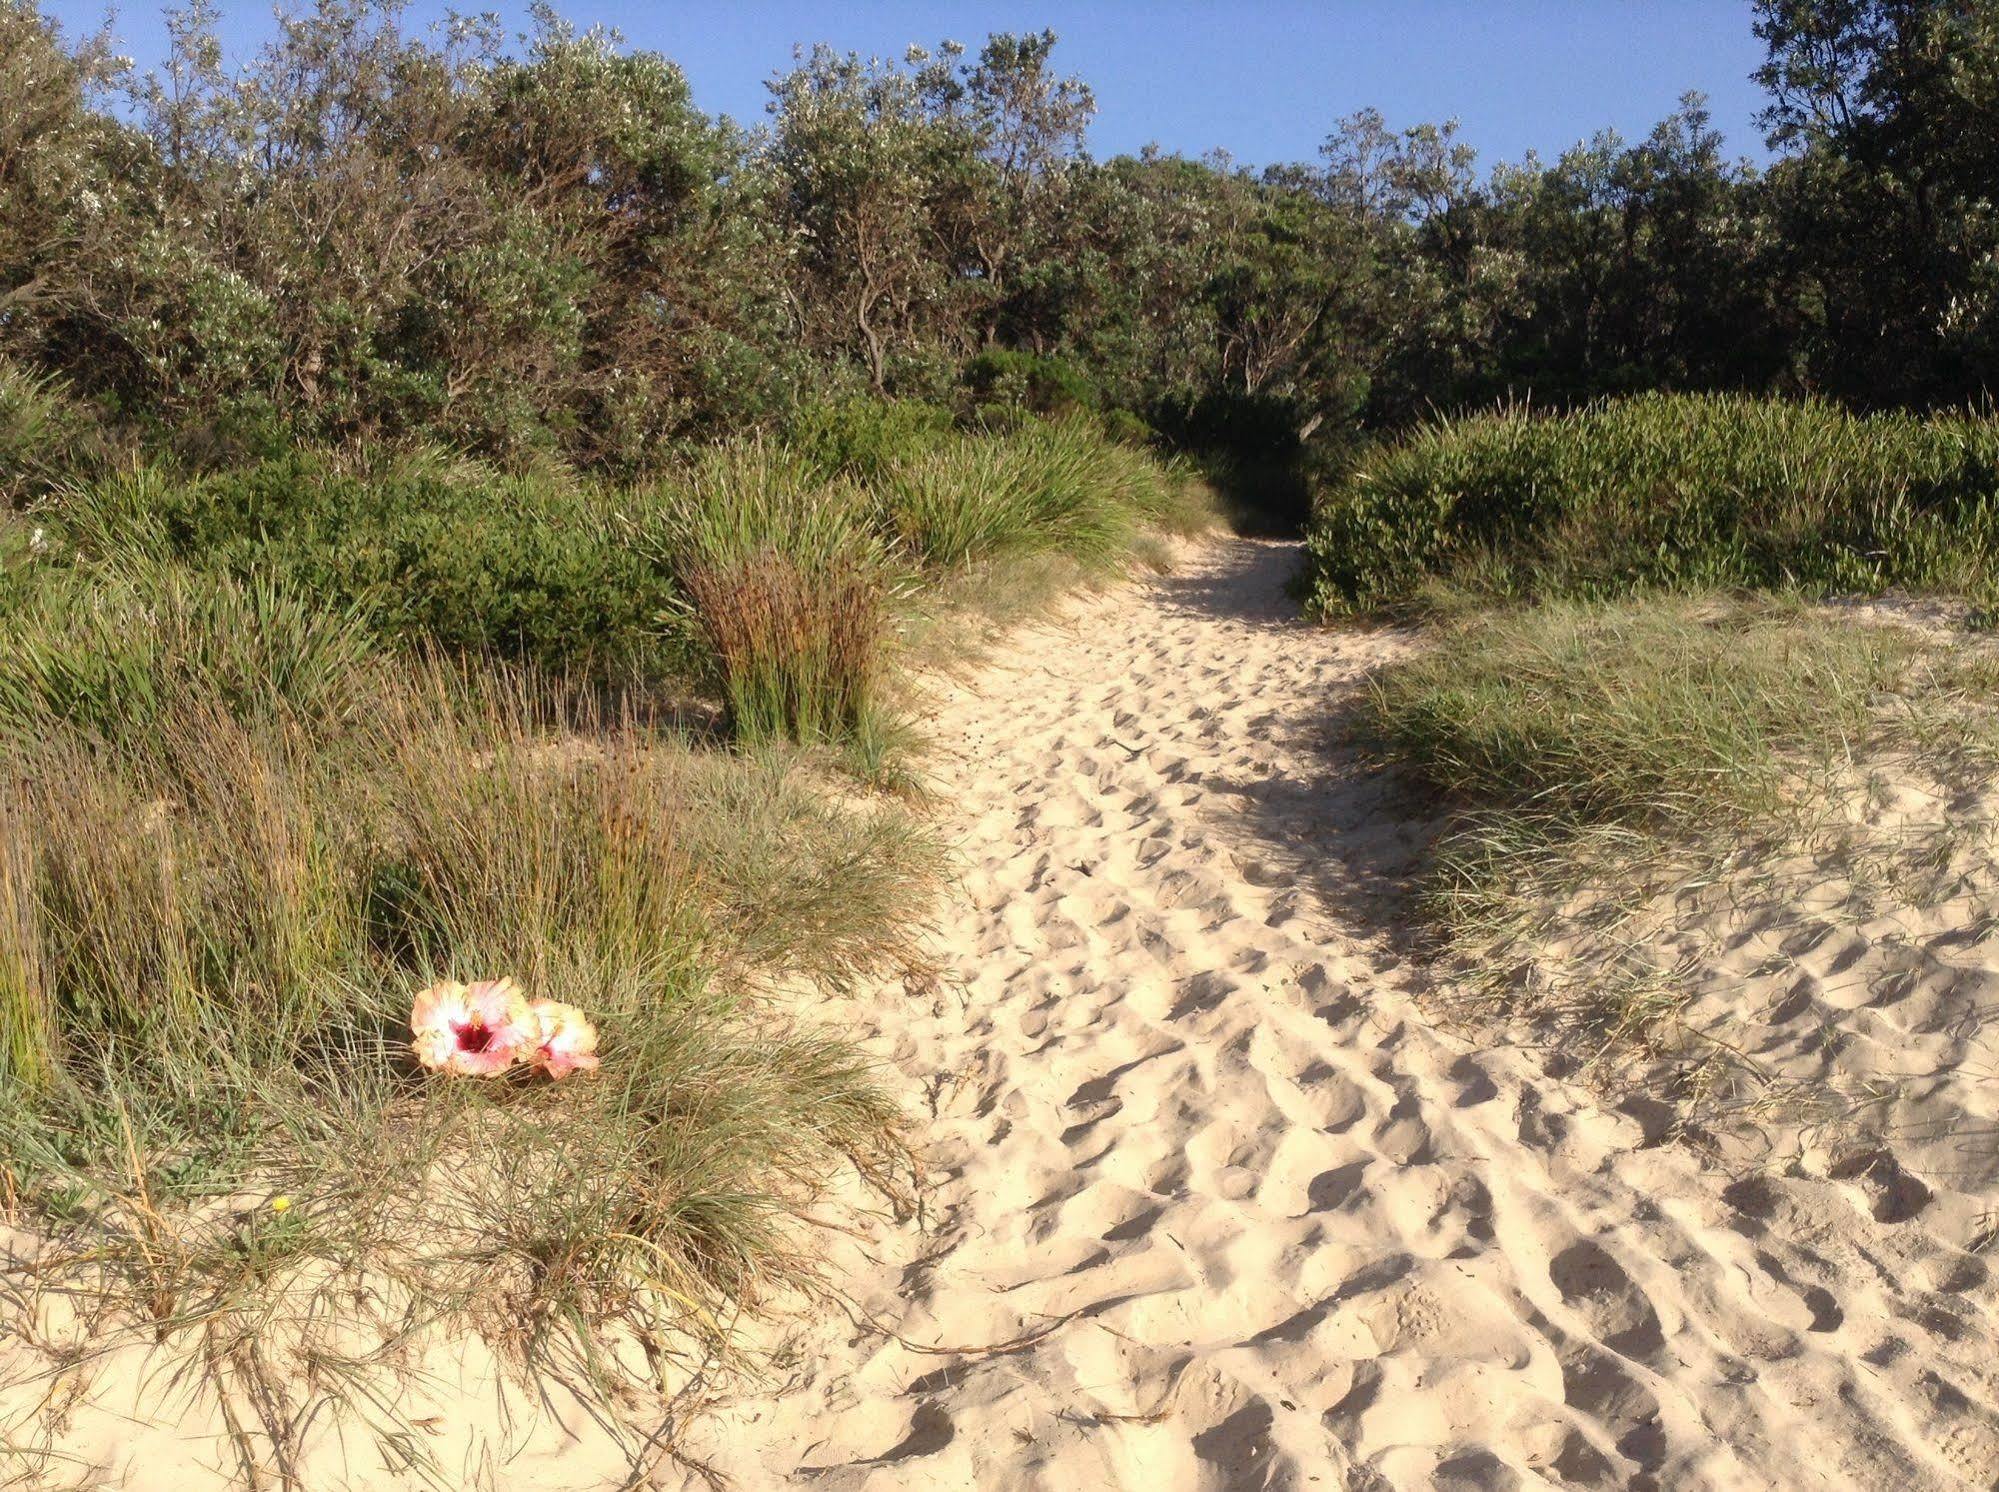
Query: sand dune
(1214, 1201)
(1253, 1219)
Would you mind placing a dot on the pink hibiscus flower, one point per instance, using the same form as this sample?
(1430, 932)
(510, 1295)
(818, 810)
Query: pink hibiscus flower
(567, 1042)
(475, 1030)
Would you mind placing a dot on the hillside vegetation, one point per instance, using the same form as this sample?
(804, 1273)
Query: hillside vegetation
(539, 245)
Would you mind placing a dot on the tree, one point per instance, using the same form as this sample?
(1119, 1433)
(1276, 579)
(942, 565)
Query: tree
(68, 177)
(1891, 111)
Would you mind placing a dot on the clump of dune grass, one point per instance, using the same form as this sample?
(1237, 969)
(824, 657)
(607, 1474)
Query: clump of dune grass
(789, 588)
(1676, 492)
(1035, 490)
(1642, 713)
(1592, 757)
(962, 502)
(1044, 488)
(111, 650)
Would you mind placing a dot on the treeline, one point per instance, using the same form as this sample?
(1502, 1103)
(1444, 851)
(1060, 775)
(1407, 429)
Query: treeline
(543, 245)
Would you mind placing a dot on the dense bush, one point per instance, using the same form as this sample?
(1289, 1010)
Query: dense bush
(530, 567)
(862, 438)
(1044, 385)
(1682, 492)
(541, 246)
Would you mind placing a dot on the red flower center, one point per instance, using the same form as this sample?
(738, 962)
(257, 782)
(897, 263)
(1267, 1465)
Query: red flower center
(475, 1038)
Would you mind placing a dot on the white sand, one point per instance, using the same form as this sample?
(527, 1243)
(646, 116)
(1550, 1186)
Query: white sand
(1247, 1217)
(1285, 1231)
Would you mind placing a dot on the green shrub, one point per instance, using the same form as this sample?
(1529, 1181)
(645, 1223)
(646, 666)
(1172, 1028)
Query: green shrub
(1025, 380)
(111, 654)
(862, 438)
(1685, 492)
(997, 419)
(527, 568)
(1126, 428)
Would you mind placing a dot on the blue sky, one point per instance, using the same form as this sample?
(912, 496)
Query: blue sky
(1263, 80)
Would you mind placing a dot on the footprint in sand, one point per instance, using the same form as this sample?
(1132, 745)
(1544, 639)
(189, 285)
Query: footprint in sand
(1252, 1220)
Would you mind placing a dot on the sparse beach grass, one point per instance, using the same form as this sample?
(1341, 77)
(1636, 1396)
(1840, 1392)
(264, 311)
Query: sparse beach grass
(1613, 770)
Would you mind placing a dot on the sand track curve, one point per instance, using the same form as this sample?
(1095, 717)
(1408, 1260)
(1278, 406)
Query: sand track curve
(1252, 1220)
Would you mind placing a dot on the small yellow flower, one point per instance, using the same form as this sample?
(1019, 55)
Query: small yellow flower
(281, 1204)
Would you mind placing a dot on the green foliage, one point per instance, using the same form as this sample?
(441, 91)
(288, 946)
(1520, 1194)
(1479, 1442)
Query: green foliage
(1040, 489)
(1678, 492)
(1126, 428)
(44, 437)
(968, 502)
(863, 438)
(113, 654)
(771, 573)
(543, 248)
(1045, 385)
(982, 497)
(530, 567)
(1882, 208)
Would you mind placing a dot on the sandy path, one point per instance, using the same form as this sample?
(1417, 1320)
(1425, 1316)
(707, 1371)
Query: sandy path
(1264, 1225)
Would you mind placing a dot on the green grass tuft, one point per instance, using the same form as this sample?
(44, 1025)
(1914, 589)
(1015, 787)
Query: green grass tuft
(789, 589)
(114, 651)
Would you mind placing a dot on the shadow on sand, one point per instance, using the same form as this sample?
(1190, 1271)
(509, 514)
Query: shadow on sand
(1319, 810)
